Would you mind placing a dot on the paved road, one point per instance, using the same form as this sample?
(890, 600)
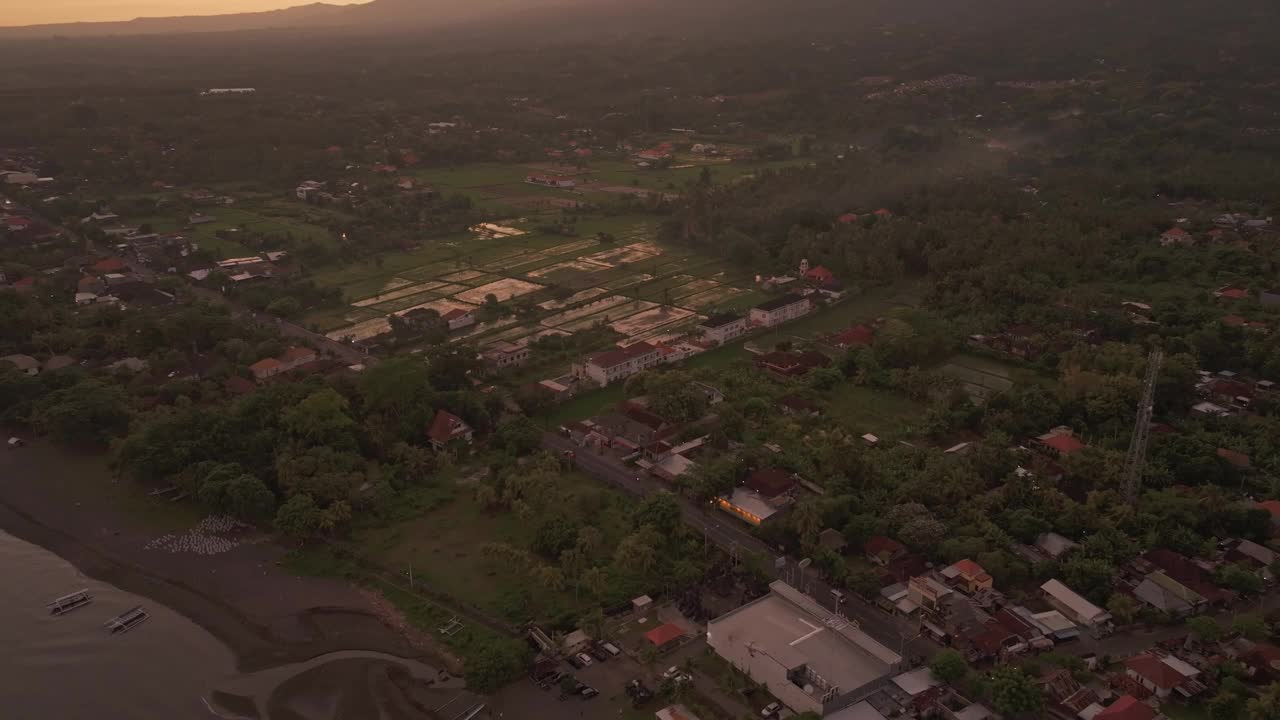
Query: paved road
(894, 633)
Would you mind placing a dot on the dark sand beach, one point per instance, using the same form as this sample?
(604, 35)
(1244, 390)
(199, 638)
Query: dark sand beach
(66, 503)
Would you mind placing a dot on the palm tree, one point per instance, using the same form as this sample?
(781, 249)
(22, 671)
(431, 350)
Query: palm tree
(807, 520)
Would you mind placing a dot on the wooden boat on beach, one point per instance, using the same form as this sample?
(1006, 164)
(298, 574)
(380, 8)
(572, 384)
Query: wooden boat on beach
(127, 620)
(69, 602)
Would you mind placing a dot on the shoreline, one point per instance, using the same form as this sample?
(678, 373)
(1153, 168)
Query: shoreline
(266, 616)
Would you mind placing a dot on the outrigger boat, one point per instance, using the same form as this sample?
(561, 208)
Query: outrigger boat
(69, 602)
(127, 620)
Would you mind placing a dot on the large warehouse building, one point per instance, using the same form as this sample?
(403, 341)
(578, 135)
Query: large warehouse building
(811, 659)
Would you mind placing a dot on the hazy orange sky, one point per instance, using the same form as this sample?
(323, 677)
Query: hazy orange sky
(34, 12)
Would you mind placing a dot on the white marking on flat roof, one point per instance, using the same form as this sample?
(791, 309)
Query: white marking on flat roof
(814, 631)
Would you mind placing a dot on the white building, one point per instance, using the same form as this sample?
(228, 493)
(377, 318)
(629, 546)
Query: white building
(619, 364)
(722, 328)
(307, 188)
(555, 181)
(780, 310)
(810, 659)
(502, 355)
(458, 319)
(1074, 607)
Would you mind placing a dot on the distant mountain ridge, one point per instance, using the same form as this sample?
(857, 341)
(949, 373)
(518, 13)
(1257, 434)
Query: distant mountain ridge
(537, 20)
(401, 14)
(297, 16)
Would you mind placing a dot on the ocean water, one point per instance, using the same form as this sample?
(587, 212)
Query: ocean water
(72, 668)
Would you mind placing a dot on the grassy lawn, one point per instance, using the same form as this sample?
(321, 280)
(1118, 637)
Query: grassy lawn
(865, 409)
(869, 306)
(269, 219)
(473, 176)
(444, 542)
(987, 375)
(589, 403)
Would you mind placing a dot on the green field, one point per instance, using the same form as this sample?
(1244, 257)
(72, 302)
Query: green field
(444, 546)
(863, 409)
(875, 303)
(267, 219)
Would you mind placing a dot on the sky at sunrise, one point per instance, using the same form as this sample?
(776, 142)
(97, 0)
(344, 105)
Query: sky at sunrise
(33, 12)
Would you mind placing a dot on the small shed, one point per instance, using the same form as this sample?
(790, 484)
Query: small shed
(641, 604)
(832, 539)
(575, 642)
(664, 636)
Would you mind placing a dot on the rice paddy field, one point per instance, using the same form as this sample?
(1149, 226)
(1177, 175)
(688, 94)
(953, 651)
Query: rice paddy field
(631, 284)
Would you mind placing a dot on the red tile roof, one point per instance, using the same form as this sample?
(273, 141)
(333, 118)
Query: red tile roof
(856, 336)
(969, 568)
(991, 639)
(446, 427)
(664, 634)
(1230, 388)
(771, 482)
(847, 219)
(1271, 506)
(1127, 707)
(295, 354)
(238, 386)
(1015, 624)
(820, 274)
(1176, 232)
(1238, 459)
(109, 265)
(454, 313)
(1155, 671)
(879, 545)
(883, 212)
(265, 364)
(1064, 444)
(25, 282)
(1234, 293)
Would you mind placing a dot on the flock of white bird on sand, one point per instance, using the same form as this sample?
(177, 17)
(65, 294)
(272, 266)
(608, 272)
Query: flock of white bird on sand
(205, 538)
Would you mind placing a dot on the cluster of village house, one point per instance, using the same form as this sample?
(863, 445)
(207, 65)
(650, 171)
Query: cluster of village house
(958, 605)
(843, 675)
(814, 659)
(819, 285)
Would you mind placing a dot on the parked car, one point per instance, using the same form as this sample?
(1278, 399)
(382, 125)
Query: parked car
(587, 692)
(771, 710)
(585, 659)
(675, 673)
(612, 649)
(599, 654)
(575, 661)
